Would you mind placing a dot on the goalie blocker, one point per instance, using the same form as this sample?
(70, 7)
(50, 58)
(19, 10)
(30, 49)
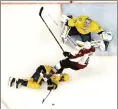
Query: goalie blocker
(67, 32)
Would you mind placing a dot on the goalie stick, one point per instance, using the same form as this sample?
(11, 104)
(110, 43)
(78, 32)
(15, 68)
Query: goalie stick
(40, 14)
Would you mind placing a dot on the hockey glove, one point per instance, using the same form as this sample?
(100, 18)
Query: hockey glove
(51, 85)
(68, 54)
(70, 16)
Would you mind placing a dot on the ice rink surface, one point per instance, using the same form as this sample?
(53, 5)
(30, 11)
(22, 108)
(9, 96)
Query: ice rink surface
(26, 43)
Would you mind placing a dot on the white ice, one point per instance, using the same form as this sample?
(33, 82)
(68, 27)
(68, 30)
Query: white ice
(26, 43)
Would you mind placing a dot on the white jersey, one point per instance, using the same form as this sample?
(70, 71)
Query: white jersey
(82, 56)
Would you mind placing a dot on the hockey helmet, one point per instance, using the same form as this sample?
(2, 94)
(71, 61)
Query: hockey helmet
(64, 77)
(55, 78)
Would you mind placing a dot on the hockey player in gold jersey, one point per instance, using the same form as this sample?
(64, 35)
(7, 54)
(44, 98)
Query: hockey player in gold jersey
(84, 26)
(44, 73)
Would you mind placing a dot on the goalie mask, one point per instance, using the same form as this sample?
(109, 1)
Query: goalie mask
(64, 77)
(87, 22)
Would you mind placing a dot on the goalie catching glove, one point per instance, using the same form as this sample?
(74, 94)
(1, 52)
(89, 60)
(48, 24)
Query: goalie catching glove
(67, 54)
(107, 37)
(102, 44)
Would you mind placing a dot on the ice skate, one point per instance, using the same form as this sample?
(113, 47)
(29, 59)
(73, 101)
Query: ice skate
(11, 81)
(19, 82)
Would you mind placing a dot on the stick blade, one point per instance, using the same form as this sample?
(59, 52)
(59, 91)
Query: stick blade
(40, 12)
(43, 101)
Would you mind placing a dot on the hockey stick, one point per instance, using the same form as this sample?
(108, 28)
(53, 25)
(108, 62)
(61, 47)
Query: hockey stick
(46, 96)
(53, 20)
(71, 41)
(40, 14)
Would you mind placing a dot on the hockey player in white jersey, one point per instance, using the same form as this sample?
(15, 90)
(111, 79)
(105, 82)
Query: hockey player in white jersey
(77, 61)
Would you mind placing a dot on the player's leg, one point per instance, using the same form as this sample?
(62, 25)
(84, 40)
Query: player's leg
(34, 82)
(62, 65)
(14, 81)
(86, 37)
(21, 82)
(36, 75)
(30, 83)
(36, 79)
(80, 38)
(24, 82)
(65, 63)
(59, 67)
(73, 65)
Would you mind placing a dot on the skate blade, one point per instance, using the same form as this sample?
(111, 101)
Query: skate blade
(9, 81)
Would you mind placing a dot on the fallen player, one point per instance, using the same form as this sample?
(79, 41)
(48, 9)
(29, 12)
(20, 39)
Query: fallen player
(43, 73)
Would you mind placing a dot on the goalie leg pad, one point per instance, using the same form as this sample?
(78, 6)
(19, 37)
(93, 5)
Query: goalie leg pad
(65, 30)
(64, 18)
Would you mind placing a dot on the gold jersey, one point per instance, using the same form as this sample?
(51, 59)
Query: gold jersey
(48, 68)
(78, 23)
(56, 79)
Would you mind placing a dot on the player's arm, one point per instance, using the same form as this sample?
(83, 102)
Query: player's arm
(51, 85)
(52, 82)
(71, 22)
(101, 32)
(97, 28)
(106, 36)
(84, 50)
